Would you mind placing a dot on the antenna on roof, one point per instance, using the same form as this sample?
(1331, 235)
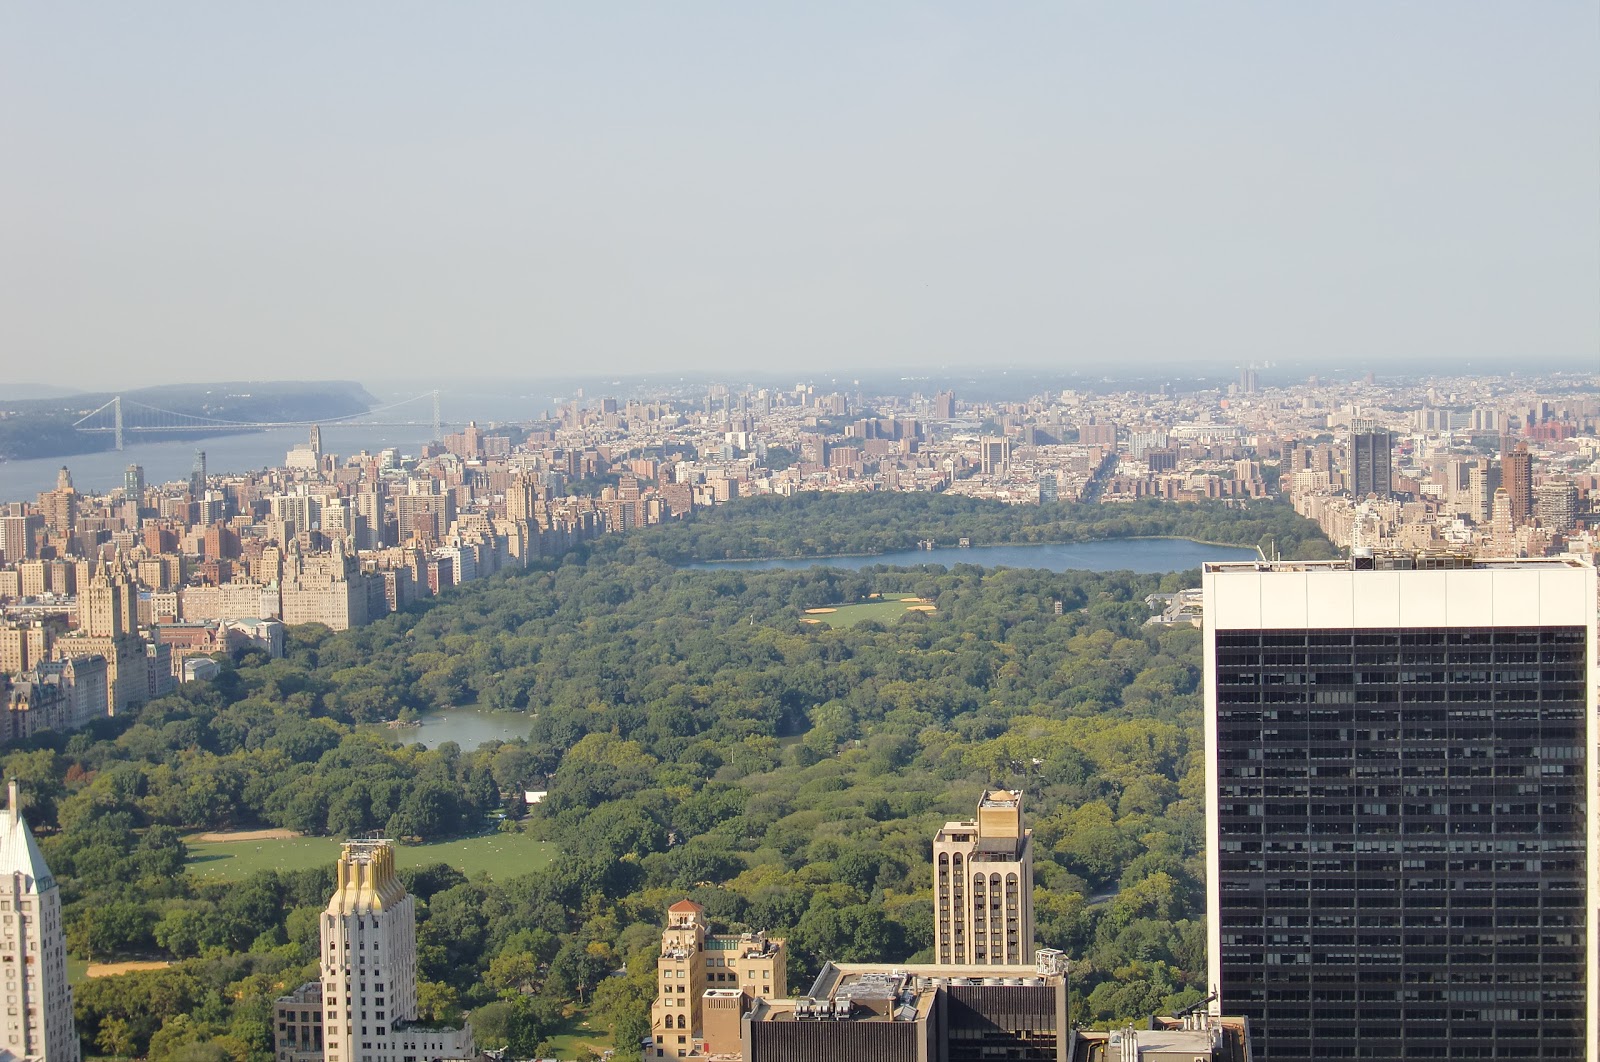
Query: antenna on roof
(1267, 550)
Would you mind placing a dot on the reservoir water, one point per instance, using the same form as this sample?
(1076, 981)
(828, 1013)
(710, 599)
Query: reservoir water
(1143, 555)
(468, 727)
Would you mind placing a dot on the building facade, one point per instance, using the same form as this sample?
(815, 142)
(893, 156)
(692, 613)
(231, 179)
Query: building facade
(33, 949)
(1399, 767)
(369, 968)
(983, 886)
(919, 1013)
(707, 983)
(1371, 463)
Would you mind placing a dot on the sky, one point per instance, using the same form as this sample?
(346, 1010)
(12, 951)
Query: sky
(358, 190)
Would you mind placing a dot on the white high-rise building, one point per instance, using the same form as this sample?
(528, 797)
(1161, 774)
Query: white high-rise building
(369, 967)
(33, 953)
(983, 886)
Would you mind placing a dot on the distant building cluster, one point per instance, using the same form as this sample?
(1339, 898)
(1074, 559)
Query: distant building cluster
(144, 586)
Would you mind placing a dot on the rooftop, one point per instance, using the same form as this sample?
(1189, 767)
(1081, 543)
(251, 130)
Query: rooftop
(1397, 561)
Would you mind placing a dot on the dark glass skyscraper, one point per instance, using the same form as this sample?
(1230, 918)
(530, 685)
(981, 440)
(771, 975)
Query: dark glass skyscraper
(1371, 463)
(1399, 769)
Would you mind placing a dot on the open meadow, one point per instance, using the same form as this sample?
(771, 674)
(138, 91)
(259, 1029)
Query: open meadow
(500, 855)
(887, 609)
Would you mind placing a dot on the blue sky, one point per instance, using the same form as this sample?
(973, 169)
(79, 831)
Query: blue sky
(353, 189)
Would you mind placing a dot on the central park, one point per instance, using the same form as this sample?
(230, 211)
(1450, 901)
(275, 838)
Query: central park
(696, 738)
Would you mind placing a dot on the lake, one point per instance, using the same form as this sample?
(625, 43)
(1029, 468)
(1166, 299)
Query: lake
(1147, 556)
(467, 727)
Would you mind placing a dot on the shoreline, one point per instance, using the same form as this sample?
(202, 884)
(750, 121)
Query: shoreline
(982, 545)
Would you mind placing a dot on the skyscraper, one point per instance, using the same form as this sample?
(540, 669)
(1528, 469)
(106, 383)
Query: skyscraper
(198, 478)
(1371, 463)
(1397, 813)
(983, 886)
(38, 1014)
(1516, 475)
(1556, 505)
(995, 456)
(369, 967)
(133, 484)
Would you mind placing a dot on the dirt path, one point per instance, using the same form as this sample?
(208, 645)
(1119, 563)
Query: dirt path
(244, 835)
(111, 969)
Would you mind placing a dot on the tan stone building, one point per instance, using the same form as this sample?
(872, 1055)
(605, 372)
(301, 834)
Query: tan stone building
(707, 983)
(983, 886)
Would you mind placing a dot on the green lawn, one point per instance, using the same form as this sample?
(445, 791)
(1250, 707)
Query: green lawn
(888, 610)
(501, 855)
(573, 1036)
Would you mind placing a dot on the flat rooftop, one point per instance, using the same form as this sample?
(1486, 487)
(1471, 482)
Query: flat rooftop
(1403, 562)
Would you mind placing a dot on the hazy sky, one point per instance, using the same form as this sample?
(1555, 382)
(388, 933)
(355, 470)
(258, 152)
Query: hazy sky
(323, 189)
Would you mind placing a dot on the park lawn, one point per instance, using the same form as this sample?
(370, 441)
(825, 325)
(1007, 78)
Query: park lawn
(500, 855)
(885, 611)
(573, 1037)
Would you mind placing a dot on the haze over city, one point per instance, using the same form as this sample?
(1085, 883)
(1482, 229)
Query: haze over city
(353, 190)
(724, 533)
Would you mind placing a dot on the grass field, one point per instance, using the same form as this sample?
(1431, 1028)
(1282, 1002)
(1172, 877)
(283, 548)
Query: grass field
(572, 1036)
(887, 610)
(501, 855)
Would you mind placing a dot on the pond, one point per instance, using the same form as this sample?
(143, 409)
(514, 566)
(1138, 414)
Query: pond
(1144, 555)
(468, 727)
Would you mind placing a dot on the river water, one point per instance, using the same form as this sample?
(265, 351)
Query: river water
(1146, 556)
(166, 461)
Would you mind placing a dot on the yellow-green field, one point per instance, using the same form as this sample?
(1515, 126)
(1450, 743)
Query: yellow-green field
(890, 608)
(500, 855)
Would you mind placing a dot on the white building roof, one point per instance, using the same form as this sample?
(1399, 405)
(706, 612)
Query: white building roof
(19, 852)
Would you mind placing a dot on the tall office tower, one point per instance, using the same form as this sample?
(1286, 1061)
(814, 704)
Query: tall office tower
(369, 967)
(1516, 476)
(16, 537)
(995, 456)
(197, 478)
(1371, 463)
(133, 484)
(1483, 479)
(708, 983)
(1556, 505)
(33, 947)
(1400, 770)
(983, 886)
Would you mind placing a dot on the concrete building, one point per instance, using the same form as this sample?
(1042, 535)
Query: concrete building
(1516, 475)
(33, 949)
(1400, 774)
(1191, 1038)
(983, 886)
(1556, 505)
(994, 456)
(297, 1024)
(707, 984)
(369, 968)
(22, 645)
(917, 1013)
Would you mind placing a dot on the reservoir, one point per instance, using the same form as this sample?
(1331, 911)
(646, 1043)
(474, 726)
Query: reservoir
(1147, 556)
(468, 727)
